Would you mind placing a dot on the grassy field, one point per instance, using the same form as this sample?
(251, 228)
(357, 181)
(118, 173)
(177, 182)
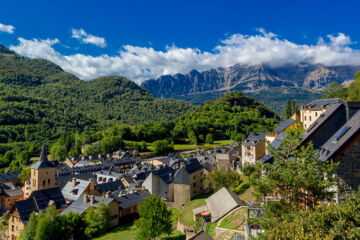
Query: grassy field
(235, 220)
(189, 146)
(128, 232)
(210, 229)
(123, 232)
(186, 215)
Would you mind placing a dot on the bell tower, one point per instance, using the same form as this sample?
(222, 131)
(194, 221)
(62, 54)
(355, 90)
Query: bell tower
(42, 173)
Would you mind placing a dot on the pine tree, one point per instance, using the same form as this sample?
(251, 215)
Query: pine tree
(288, 109)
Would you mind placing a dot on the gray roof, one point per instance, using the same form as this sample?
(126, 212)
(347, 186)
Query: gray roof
(201, 235)
(13, 192)
(284, 125)
(132, 199)
(110, 186)
(43, 162)
(254, 138)
(39, 201)
(323, 103)
(325, 125)
(341, 138)
(80, 207)
(73, 193)
(276, 144)
(9, 176)
(222, 202)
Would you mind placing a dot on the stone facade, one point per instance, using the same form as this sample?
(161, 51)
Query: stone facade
(348, 170)
(16, 226)
(43, 178)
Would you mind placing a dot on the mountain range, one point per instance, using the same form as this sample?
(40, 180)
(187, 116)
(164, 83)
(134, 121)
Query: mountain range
(198, 87)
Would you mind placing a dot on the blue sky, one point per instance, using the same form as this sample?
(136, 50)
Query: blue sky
(145, 39)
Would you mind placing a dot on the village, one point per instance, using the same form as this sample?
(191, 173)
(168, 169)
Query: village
(123, 179)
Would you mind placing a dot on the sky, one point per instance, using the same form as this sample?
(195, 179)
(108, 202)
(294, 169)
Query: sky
(143, 39)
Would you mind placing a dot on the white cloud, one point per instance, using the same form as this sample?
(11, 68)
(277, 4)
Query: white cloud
(6, 28)
(141, 63)
(84, 37)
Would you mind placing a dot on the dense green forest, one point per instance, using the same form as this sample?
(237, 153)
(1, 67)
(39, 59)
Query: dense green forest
(39, 102)
(232, 116)
(274, 98)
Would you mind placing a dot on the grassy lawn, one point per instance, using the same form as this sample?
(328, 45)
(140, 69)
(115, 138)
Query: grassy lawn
(123, 232)
(235, 220)
(186, 215)
(128, 232)
(210, 229)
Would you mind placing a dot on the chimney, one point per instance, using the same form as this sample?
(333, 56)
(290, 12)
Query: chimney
(92, 184)
(121, 194)
(107, 194)
(133, 190)
(92, 198)
(85, 198)
(73, 182)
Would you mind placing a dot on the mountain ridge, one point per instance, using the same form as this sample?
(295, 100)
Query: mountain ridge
(249, 79)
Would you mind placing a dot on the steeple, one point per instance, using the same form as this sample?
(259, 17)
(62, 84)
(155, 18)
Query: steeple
(43, 162)
(42, 173)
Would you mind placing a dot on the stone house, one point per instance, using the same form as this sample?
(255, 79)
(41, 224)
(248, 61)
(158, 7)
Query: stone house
(253, 148)
(227, 159)
(160, 183)
(76, 187)
(344, 147)
(188, 181)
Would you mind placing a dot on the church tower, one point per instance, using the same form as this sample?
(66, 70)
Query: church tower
(42, 173)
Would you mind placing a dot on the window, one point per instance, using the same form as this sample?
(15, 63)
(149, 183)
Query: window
(305, 118)
(310, 118)
(49, 181)
(44, 182)
(343, 131)
(315, 114)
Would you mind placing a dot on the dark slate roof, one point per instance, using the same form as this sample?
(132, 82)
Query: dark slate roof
(110, 186)
(141, 176)
(25, 208)
(325, 125)
(254, 138)
(284, 125)
(129, 179)
(42, 198)
(276, 144)
(341, 138)
(43, 162)
(39, 201)
(165, 173)
(193, 165)
(202, 235)
(132, 199)
(323, 103)
(181, 176)
(9, 176)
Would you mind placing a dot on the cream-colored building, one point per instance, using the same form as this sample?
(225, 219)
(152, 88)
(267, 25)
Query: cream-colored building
(313, 110)
(253, 148)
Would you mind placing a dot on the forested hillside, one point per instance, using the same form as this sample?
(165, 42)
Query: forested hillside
(232, 116)
(39, 102)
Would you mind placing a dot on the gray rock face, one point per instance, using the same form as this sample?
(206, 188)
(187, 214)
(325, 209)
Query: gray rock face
(249, 79)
